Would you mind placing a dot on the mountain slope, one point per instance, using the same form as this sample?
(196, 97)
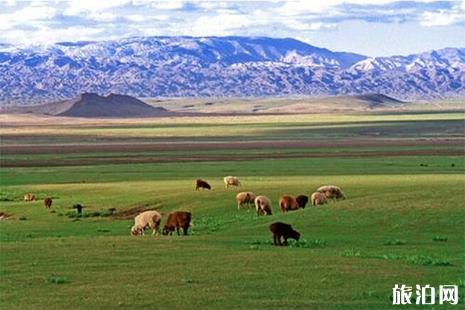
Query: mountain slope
(220, 66)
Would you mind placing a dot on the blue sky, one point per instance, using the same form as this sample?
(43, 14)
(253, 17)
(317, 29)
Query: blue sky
(374, 28)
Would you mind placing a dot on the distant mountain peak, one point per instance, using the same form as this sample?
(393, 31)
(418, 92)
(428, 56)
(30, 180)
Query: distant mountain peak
(220, 66)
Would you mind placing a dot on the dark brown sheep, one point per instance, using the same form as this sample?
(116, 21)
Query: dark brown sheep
(48, 202)
(202, 184)
(177, 220)
(302, 201)
(285, 231)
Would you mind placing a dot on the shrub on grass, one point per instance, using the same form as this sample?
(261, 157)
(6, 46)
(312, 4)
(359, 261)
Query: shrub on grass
(22, 218)
(351, 253)
(303, 243)
(440, 238)
(57, 280)
(425, 260)
(461, 282)
(395, 242)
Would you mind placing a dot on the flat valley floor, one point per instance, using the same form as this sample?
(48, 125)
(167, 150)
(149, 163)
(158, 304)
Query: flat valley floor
(402, 222)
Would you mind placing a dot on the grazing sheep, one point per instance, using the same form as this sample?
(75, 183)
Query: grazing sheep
(263, 205)
(202, 184)
(29, 197)
(302, 201)
(332, 192)
(231, 181)
(244, 198)
(47, 202)
(318, 198)
(177, 220)
(285, 231)
(288, 203)
(150, 218)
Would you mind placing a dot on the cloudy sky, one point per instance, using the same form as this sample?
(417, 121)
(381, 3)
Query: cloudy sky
(375, 28)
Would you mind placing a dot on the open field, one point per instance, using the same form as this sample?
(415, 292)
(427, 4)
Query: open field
(402, 223)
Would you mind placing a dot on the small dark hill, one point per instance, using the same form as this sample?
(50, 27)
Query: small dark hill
(378, 100)
(113, 105)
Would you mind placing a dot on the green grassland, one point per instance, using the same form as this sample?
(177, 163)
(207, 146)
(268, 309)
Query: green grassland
(402, 223)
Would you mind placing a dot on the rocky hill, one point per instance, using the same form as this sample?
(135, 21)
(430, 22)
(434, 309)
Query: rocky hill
(94, 105)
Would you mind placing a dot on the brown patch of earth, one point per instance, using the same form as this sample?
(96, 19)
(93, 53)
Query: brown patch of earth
(205, 146)
(132, 212)
(228, 157)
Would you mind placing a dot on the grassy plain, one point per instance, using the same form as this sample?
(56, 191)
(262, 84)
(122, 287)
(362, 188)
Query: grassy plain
(403, 221)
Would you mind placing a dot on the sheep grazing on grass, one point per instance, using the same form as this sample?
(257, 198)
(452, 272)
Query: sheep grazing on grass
(202, 184)
(318, 198)
(29, 197)
(302, 201)
(263, 205)
(245, 198)
(284, 231)
(177, 220)
(288, 203)
(332, 192)
(146, 219)
(47, 202)
(231, 181)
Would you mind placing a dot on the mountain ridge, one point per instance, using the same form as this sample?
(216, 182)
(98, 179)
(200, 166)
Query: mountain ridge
(220, 67)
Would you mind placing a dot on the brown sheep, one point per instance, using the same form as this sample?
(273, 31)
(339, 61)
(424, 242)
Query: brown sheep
(244, 198)
(302, 201)
(318, 198)
(263, 205)
(332, 192)
(47, 202)
(288, 203)
(177, 220)
(231, 181)
(285, 231)
(29, 197)
(202, 184)
(146, 219)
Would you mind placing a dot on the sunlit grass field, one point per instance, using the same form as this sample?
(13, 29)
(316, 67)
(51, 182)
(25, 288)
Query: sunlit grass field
(402, 222)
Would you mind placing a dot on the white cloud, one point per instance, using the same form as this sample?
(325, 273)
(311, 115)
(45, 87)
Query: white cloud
(103, 17)
(135, 18)
(441, 18)
(7, 2)
(309, 26)
(79, 7)
(167, 5)
(299, 7)
(221, 24)
(25, 16)
(48, 36)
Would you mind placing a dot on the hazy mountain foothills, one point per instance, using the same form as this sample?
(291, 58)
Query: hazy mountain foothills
(220, 66)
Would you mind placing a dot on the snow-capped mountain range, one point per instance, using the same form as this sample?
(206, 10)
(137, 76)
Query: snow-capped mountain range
(220, 66)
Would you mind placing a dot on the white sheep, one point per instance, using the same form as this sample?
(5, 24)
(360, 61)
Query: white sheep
(151, 219)
(244, 198)
(263, 205)
(332, 192)
(318, 198)
(231, 181)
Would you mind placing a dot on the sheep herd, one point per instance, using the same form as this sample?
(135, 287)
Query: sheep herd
(263, 206)
(180, 220)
